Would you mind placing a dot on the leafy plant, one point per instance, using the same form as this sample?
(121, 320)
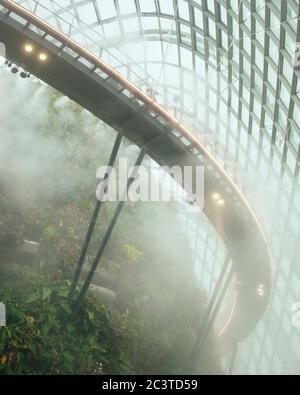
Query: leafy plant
(132, 252)
(35, 342)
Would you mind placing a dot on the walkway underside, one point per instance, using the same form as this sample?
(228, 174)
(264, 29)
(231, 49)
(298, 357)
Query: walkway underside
(105, 98)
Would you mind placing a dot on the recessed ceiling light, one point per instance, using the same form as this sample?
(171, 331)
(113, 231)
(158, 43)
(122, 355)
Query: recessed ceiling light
(43, 57)
(260, 290)
(28, 48)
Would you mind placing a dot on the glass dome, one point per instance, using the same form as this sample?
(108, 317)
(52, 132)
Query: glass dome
(229, 72)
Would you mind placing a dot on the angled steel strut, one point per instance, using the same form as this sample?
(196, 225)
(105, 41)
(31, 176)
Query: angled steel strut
(89, 278)
(212, 309)
(92, 224)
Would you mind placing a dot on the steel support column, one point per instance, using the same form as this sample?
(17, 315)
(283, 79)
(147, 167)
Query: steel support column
(107, 235)
(92, 224)
(212, 310)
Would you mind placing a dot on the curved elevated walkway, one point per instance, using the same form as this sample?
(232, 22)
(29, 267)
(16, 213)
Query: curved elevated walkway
(77, 73)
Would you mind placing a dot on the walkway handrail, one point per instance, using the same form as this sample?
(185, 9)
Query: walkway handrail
(151, 105)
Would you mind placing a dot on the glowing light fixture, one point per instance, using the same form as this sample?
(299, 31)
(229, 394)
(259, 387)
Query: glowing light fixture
(218, 198)
(260, 290)
(28, 48)
(43, 57)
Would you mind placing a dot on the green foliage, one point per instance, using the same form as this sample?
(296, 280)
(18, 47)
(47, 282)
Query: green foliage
(132, 252)
(35, 342)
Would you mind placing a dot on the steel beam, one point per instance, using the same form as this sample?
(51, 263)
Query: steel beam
(107, 235)
(92, 224)
(212, 309)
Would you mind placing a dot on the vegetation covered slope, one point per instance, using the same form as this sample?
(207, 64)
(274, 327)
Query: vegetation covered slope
(49, 156)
